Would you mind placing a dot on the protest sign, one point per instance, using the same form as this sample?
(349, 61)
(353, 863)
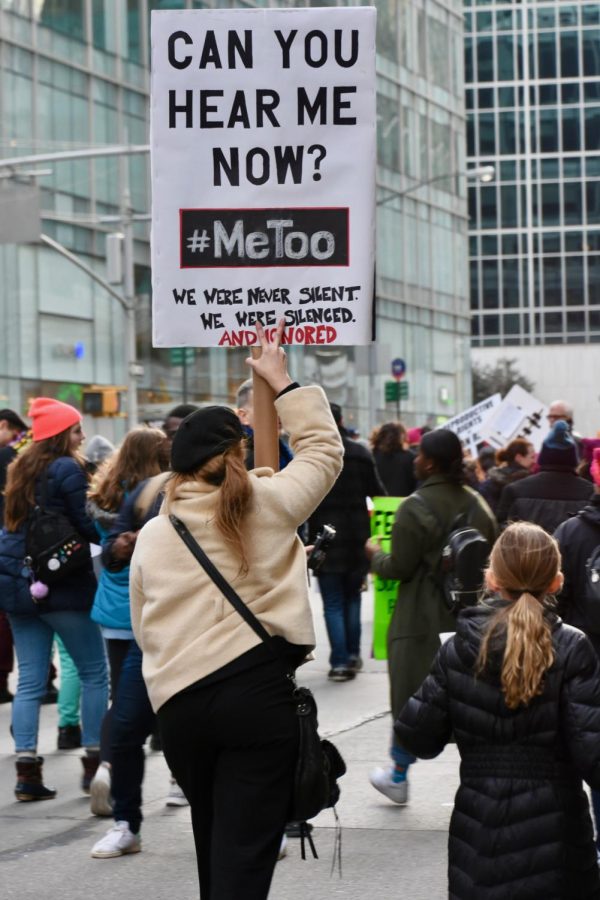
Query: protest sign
(263, 175)
(466, 425)
(385, 590)
(520, 415)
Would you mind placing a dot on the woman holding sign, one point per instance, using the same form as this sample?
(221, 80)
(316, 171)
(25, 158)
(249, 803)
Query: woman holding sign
(227, 720)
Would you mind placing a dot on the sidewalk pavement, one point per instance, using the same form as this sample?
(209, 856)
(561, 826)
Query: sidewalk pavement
(387, 851)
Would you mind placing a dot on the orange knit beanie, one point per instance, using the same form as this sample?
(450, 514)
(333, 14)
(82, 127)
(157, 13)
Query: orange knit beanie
(50, 417)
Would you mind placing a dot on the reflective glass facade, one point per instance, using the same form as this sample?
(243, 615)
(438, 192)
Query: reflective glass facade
(74, 74)
(532, 74)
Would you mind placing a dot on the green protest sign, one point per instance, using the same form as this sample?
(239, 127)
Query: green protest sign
(385, 590)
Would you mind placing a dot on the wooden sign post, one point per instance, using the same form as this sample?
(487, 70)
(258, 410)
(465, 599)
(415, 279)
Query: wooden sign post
(266, 426)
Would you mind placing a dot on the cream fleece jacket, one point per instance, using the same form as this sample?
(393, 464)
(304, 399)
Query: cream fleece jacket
(184, 625)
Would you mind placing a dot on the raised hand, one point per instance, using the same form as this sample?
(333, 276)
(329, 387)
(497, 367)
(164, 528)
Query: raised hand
(272, 363)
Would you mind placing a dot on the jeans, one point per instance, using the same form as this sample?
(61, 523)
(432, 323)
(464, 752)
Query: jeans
(33, 636)
(132, 720)
(69, 693)
(341, 604)
(400, 756)
(117, 651)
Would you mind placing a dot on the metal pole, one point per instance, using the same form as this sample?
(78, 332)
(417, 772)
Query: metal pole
(50, 242)
(12, 162)
(129, 291)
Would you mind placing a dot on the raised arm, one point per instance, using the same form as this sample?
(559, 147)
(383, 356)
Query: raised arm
(314, 437)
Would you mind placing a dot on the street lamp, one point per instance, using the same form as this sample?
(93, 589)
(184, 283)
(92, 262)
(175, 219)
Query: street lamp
(484, 174)
(126, 297)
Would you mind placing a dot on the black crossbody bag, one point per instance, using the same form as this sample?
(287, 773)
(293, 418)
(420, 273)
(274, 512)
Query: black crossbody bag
(54, 548)
(319, 763)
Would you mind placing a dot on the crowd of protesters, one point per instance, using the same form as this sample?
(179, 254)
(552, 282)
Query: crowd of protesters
(517, 686)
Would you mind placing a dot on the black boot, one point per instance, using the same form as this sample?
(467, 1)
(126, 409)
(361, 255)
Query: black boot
(30, 785)
(5, 695)
(90, 766)
(69, 737)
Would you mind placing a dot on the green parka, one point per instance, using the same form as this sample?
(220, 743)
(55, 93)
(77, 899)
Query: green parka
(420, 614)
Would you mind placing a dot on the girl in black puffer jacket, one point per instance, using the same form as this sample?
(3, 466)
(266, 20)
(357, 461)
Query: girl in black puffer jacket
(520, 691)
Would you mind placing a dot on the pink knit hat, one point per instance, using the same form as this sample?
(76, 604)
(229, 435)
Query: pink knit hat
(50, 417)
(413, 436)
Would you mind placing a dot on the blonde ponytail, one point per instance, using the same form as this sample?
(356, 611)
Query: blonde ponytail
(524, 554)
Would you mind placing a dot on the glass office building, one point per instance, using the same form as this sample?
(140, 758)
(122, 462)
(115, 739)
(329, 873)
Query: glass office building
(75, 74)
(532, 73)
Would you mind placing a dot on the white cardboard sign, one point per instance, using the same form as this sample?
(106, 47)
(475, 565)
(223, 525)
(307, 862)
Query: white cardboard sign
(263, 175)
(520, 415)
(467, 424)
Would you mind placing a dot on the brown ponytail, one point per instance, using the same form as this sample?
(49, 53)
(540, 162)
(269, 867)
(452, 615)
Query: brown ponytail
(524, 562)
(228, 472)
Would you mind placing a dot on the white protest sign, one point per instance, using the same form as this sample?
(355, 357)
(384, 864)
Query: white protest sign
(466, 425)
(520, 415)
(263, 175)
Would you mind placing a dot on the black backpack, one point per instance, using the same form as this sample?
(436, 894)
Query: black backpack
(53, 546)
(463, 560)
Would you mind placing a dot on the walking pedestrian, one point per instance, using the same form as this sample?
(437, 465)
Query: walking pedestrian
(51, 465)
(132, 718)
(143, 454)
(420, 530)
(228, 723)
(520, 693)
(578, 538)
(552, 494)
(342, 575)
(395, 463)
(513, 462)
(13, 437)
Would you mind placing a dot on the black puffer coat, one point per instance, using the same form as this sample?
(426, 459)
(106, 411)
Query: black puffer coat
(521, 827)
(497, 479)
(547, 498)
(578, 537)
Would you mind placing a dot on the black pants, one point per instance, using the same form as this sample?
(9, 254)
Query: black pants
(232, 747)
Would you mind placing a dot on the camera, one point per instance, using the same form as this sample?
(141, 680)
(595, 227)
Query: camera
(318, 553)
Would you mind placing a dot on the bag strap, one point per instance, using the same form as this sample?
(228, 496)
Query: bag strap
(222, 583)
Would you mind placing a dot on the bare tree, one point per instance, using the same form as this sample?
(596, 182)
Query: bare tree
(497, 378)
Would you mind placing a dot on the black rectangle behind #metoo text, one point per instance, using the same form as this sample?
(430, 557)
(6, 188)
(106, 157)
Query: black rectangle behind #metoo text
(257, 238)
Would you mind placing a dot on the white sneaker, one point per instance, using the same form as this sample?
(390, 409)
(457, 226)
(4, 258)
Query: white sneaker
(100, 803)
(282, 848)
(176, 797)
(117, 842)
(382, 781)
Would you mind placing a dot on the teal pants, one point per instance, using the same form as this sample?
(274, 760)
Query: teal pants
(70, 689)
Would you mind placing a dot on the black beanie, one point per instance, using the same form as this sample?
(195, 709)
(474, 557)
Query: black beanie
(202, 435)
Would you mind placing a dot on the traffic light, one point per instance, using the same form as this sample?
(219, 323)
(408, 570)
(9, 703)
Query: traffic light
(102, 401)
